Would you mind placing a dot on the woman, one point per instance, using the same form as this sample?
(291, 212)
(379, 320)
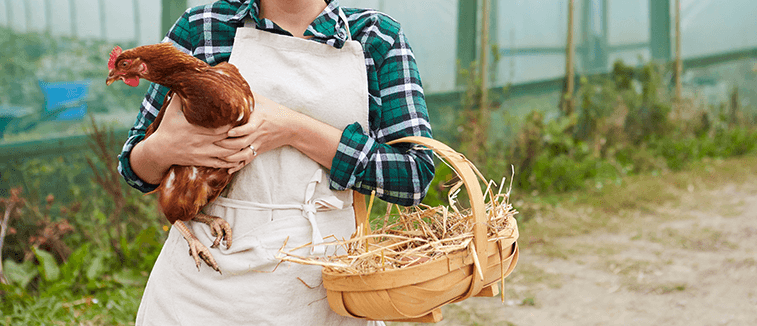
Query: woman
(332, 85)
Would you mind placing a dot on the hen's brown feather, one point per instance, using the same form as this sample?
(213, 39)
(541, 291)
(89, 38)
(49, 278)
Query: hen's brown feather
(212, 97)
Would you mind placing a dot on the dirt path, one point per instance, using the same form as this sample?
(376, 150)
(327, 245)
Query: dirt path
(694, 264)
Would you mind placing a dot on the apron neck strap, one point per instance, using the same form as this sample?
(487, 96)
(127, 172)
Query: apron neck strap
(249, 22)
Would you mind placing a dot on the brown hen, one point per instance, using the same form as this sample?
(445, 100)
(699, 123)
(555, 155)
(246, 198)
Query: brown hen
(211, 97)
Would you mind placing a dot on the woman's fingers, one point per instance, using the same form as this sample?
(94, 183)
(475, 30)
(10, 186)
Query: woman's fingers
(269, 127)
(181, 143)
(237, 167)
(235, 143)
(241, 158)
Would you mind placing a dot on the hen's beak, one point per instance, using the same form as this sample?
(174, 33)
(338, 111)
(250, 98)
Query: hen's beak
(112, 77)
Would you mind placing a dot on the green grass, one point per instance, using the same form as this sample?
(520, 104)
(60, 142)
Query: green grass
(633, 203)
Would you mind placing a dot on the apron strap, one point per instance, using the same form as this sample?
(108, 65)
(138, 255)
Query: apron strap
(248, 22)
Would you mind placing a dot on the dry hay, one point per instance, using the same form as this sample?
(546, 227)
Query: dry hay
(413, 235)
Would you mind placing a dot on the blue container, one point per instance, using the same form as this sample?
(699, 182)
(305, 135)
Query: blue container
(64, 101)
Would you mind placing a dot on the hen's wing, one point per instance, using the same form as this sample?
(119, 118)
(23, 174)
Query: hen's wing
(216, 96)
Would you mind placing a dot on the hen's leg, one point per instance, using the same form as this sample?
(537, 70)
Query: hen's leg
(218, 226)
(196, 249)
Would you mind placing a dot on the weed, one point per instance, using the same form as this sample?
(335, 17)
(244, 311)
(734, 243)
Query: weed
(669, 288)
(94, 275)
(623, 127)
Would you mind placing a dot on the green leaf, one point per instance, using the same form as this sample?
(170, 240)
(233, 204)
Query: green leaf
(96, 268)
(100, 216)
(48, 267)
(19, 274)
(130, 277)
(75, 263)
(62, 286)
(127, 249)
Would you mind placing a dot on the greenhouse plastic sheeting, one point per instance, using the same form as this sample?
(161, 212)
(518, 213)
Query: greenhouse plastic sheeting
(530, 34)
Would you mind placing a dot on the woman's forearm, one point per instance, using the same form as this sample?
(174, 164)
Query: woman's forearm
(316, 139)
(146, 163)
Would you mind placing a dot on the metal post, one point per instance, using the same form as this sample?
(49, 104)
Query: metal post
(604, 46)
(48, 17)
(485, 48)
(137, 22)
(493, 36)
(103, 20)
(172, 10)
(8, 13)
(570, 50)
(584, 49)
(72, 13)
(659, 30)
(28, 12)
(466, 35)
(679, 65)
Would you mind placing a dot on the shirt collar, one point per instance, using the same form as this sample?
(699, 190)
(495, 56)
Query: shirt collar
(328, 27)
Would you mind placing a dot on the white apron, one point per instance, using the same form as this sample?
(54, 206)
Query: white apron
(281, 194)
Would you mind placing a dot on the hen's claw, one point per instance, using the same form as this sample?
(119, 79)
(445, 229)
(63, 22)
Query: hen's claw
(219, 228)
(196, 249)
(199, 251)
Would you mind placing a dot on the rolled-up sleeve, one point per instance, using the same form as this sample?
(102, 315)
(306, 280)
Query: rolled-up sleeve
(399, 173)
(147, 113)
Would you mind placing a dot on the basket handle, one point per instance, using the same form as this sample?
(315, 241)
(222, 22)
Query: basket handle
(463, 168)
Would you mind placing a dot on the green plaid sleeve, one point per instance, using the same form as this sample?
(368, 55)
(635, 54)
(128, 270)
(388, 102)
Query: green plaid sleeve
(147, 113)
(398, 174)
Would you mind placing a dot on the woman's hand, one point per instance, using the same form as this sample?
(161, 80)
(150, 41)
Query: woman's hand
(177, 142)
(271, 126)
(186, 144)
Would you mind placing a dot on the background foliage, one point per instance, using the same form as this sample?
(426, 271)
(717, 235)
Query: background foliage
(626, 123)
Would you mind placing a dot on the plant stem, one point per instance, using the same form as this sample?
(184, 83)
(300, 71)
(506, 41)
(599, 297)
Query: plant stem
(3, 228)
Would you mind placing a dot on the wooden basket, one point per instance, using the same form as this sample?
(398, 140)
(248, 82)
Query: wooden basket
(417, 293)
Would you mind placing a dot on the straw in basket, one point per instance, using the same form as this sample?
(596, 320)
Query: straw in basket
(418, 290)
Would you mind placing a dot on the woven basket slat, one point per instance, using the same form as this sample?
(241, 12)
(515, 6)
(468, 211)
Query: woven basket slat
(415, 293)
(387, 279)
(355, 303)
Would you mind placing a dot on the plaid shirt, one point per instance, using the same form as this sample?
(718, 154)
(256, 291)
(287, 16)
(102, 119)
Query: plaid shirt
(397, 107)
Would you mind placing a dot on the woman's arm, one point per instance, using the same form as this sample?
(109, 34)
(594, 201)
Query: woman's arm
(399, 174)
(272, 125)
(177, 142)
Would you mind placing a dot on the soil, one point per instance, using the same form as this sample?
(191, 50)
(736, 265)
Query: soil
(692, 263)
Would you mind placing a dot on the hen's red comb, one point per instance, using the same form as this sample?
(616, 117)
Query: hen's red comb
(113, 56)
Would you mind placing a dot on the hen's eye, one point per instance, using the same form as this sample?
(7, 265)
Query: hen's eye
(124, 64)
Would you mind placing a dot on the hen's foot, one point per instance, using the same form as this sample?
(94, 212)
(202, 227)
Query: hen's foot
(218, 226)
(197, 250)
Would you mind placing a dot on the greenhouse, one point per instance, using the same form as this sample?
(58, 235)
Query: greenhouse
(569, 98)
